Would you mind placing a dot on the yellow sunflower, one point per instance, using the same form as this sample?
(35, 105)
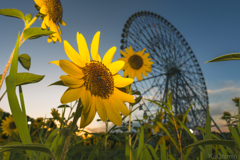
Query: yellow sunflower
(51, 11)
(95, 82)
(38, 122)
(50, 123)
(55, 114)
(8, 126)
(136, 64)
(168, 141)
(159, 118)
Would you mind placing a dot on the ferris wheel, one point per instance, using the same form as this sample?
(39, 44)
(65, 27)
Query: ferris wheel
(175, 67)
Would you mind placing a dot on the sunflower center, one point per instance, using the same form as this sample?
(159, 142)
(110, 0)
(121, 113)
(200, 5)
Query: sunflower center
(12, 125)
(55, 10)
(135, 62)
(98, 79)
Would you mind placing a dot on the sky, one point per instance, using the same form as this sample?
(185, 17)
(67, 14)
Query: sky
(211, 28)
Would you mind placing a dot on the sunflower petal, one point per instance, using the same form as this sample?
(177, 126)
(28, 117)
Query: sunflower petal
(120, 82)
(139, 75)
(54, 62)
(124, 53)
(72, 54)
(88, 117)
(145, 55)
(116, 66)
(71, 82)
(101, 110)
(86, 100)
(40, 3)
(83, 48)
(123, 96)
(107, 59)
(95, 46)
(43, 10)
(132, 73)
(144, 72)
(71, 95)
(62, 23)
(70, 68)
(112, 112)
(120, 106)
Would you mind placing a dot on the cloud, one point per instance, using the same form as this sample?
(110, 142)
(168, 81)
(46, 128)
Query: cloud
(220, 100)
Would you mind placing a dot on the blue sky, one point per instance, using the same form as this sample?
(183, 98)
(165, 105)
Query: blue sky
(211, 28)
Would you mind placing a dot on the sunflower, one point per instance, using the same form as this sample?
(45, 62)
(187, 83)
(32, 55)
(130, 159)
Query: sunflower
(37, 123)
(168, 141)
(87, 143)
(3, 138)
(8, 126)
(159, 118)
(50, 123)
(95, 82)
(51, 13)
(136, 64)
(55, 114)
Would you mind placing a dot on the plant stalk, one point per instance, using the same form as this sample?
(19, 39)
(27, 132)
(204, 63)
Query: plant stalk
(21, 40)
(75, 119)
(129, 126)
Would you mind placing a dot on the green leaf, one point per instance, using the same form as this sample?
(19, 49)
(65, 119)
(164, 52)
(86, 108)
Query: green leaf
(27, 78)
(36, 32)
(158, 103)
(141, 142)
(25, 60)
(136, 93)
(60, 83)
(154, 153)
(208, 148)
(32, 147)
(163, 150)
(63, 105)
(235, 134)
(11, 12)
(228, 143)
(28, 17)
(185, 114)
(17, 114)
(127, 148)
(168, 133)
(137, 100)
(192, 135)
(145, 154)
(236, 116)
(226, 57)
(187, 153)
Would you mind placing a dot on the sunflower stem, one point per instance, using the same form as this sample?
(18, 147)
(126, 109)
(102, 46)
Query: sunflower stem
(179, 138)
(129, 125)
(77, 115)
(21, 40)
(3, 95)
(106, 137)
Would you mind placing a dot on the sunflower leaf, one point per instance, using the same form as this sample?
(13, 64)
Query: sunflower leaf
(11, 12)
(33, 147)
(25, 60)
(229, 143)
(137, 100)
(60, 83)
(63, 105)
(36, 32)
(27, 78)
(136, 93)
(226, 57)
